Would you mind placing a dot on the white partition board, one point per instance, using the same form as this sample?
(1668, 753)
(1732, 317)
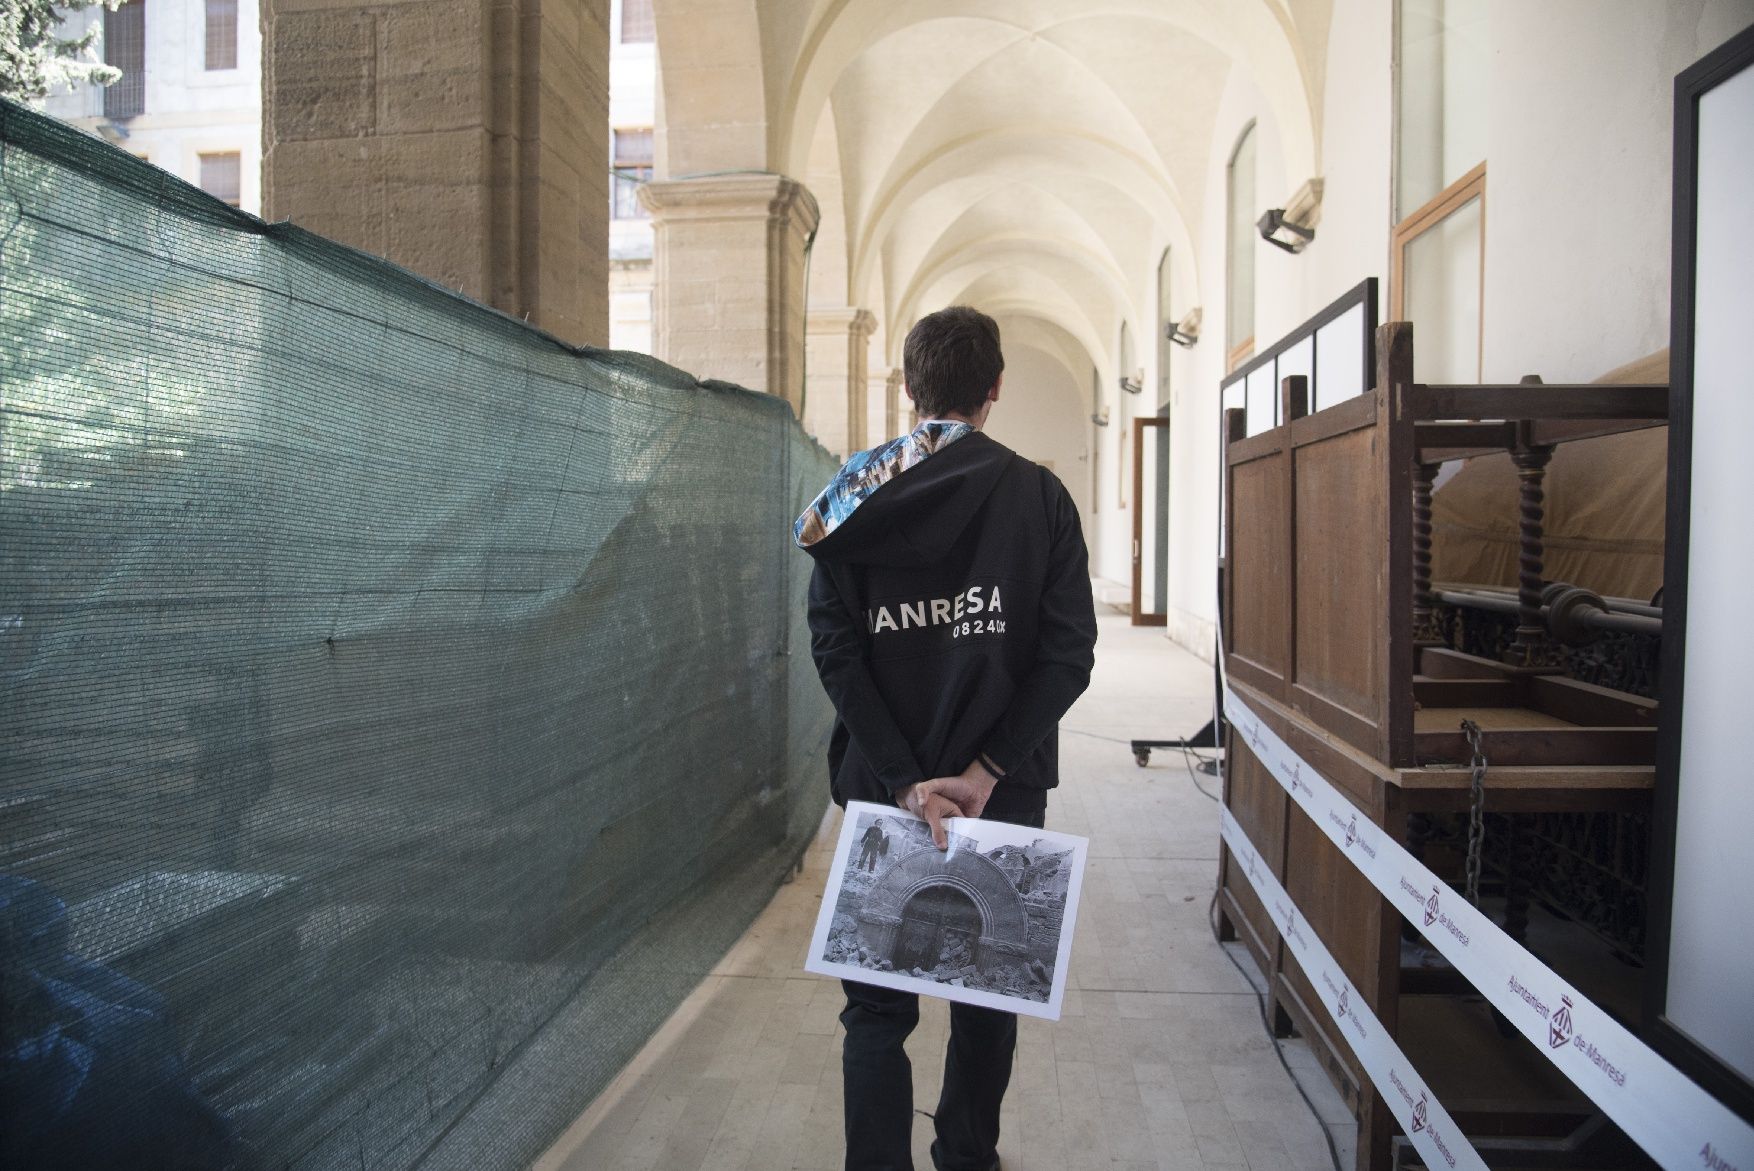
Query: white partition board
(1711, 948)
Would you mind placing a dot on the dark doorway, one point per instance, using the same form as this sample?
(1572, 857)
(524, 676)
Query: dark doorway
(939, 925)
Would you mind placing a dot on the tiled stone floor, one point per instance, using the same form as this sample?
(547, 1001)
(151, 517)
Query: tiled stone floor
(1159, 1061)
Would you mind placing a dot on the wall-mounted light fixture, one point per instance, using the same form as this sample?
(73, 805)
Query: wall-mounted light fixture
(1135, 384)
(1100, 418)
(1293, 226)
(1280, 232)
(1186, 331)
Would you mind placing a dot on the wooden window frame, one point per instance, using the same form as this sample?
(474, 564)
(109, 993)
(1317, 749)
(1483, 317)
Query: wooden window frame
(1440, 207)
(203, 160)
(621, 29)
(125, 30)
(1245, 349)
(214, 34)
(629, 170)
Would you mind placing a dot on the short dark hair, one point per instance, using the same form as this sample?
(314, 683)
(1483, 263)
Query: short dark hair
(951, 359)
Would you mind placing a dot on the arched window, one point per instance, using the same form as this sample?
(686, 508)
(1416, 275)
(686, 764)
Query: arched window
(1164, 321)
(1239, 258)
(1131, 374)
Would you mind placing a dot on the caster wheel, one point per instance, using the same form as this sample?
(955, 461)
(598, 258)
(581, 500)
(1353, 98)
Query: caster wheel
(1142, 757)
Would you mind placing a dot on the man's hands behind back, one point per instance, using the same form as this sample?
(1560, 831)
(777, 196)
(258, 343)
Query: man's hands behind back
(964, 795)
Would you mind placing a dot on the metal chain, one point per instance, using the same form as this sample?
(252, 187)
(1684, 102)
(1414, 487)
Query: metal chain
(1476, 806)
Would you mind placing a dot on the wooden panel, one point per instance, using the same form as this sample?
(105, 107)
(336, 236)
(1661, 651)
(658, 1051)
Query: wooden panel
(1535, 746)
(1559, 788)
(1316, 1025)
(1257, 802)
(1339, 902)
(1522, 401)
(1352, 415)
(1465, 436)
(1241, 670)
(1586, 704)
(1551, 431)
(1255, 447)
(1354, 771)
(1259, 582)
(1490, 717)
(1443, 663)
(1339, 721)
(1440, 693)
(1340, 577)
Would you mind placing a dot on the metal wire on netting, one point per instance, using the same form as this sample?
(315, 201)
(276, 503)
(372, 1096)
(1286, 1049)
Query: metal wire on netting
(384, 686)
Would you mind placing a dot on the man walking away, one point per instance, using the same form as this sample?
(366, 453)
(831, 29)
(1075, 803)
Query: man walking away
(952, 625)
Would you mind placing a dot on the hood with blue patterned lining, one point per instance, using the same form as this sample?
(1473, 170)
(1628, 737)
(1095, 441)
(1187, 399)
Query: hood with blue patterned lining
(905, 502)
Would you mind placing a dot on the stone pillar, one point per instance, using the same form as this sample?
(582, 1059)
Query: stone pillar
(898, 410)
(464, 139)
(839, 340)
(728, 278)
(879, 411)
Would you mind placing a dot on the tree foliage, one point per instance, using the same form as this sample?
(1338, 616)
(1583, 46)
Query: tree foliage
(35, 58)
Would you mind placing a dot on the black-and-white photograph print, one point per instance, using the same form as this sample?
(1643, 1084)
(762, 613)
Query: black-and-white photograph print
(988, 921)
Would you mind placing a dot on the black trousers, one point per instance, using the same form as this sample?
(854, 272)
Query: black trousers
(877, 1077)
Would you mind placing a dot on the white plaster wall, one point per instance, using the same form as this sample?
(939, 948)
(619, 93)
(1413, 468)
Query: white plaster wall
(1279, 305)
(190, 110)
(1352, 241)
(1113, 532)
(1039, 415)
(1578, 175)
(633, 77)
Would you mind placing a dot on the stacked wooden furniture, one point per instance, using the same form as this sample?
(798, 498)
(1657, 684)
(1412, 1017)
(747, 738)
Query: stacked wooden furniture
(1326, 634)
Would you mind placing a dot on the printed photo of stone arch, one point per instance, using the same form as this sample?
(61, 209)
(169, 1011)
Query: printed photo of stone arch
(988, 921)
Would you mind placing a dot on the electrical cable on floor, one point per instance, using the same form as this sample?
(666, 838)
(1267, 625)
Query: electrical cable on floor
(1278, 1051)
(1188, 764)
(1095, 735)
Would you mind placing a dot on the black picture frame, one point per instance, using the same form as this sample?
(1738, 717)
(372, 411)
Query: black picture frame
(1363, 293)
(1687, 1053)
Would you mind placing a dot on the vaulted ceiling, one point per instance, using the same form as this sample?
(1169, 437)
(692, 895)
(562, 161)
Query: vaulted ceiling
(1031, 157)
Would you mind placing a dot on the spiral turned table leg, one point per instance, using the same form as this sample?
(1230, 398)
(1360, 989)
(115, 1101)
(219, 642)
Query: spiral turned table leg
(1424, 605)
(1531, 633)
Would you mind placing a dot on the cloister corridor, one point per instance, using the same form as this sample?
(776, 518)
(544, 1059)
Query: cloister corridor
(1160, 1060)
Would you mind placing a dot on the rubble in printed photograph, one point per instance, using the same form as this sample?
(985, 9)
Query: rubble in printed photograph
(988, 921)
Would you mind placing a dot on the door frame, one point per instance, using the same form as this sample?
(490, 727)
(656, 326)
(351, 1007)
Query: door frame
(1140, 618)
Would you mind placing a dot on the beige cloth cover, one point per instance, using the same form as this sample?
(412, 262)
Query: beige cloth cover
(1604, 519)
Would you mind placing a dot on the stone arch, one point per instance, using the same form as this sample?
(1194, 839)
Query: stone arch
(1007, 245)
(1256, 35)
(1004, 920)
(1048, 148)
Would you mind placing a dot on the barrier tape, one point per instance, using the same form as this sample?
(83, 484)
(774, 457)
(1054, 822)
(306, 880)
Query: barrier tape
(1433, 1132)
(1658, 1106)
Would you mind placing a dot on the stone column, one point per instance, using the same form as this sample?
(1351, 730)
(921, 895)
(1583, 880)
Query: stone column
(897, 407)
(728, 278)
(879, 412)
(464, 139)
(839, 340)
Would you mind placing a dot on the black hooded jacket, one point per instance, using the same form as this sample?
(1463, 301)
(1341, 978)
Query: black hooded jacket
(951, 618)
